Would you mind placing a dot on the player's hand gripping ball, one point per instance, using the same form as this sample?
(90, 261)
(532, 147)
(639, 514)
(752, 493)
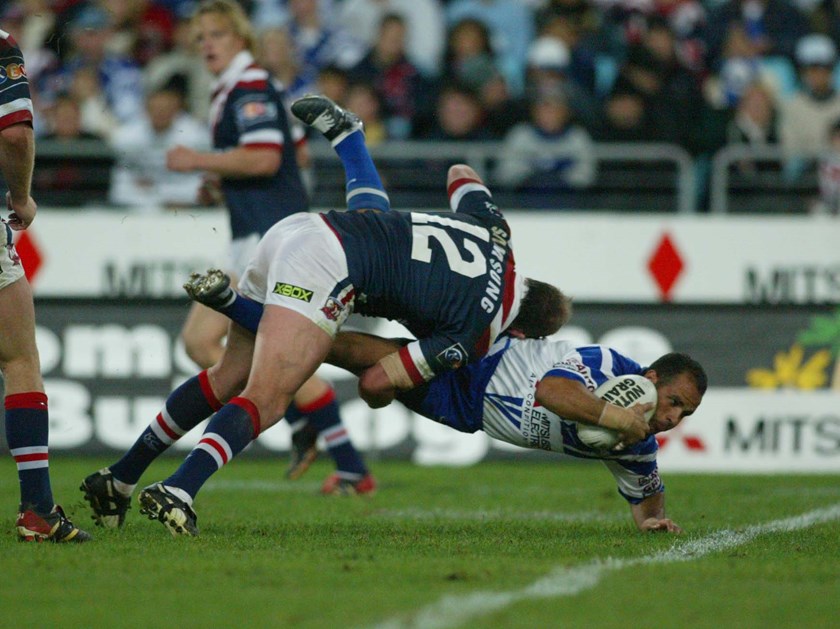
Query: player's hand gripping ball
(624, 391)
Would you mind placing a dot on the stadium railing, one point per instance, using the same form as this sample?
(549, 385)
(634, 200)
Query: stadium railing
(763, 180)
(630, 177)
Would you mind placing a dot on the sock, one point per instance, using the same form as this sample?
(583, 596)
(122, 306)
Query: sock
(246, 312)
(323, 414)
(27, 432)
(187, 406)
(227, 434)
(363, 185)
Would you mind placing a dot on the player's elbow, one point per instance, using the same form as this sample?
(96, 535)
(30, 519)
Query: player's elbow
(375, 388)
(461, 171)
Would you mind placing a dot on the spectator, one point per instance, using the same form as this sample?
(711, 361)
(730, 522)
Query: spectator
(548, 65)
(626, 118)
(459, 116)
(572, 24)
(276, 53)
(117, 78)
(140, 177)
(548, 151)
(808, 116)
(468, 52)
(511, 24)
(333, 83)
(397, 81)
(317, 43)
(183, 61)
(424, 22)
(365, 102)
(754, 123)
(143, 29)
(773, 26)
(64, 121)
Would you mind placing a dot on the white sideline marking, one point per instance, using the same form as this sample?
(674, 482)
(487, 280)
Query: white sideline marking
(453, 611)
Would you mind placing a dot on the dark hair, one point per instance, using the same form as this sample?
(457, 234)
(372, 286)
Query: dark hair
(672, 365)
(543, 311)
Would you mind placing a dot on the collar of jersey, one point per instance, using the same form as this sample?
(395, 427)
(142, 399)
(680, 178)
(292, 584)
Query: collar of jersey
(230, 76)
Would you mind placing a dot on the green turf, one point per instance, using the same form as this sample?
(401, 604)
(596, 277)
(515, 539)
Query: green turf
(273, 553)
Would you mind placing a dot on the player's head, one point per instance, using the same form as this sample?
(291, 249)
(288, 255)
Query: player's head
(680, 383)
(222, 30)
(543, 311)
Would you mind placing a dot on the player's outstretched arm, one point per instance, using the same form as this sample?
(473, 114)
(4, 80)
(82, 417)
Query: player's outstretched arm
(649, 516)
(571, 400)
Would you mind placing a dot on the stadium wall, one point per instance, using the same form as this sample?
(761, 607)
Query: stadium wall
(754, 299)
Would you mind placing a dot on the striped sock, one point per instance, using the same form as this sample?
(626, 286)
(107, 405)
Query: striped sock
(227, 434)
(187, 406)
(27, 433)
(363, 185)
(323, 413)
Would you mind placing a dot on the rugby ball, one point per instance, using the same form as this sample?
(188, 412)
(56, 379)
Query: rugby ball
(624, 391)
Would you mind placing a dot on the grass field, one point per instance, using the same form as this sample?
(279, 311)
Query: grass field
(495, 545)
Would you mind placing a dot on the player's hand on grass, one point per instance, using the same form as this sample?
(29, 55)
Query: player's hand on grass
(663, 525)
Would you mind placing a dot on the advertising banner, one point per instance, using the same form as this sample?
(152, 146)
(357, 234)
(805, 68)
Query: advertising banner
(773, 403)
(595, 257)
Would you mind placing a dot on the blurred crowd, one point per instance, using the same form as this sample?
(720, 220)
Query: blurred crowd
(534, 74)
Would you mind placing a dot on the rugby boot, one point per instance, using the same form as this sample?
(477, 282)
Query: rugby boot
(157, 502)
(109, 505)
(320, 113)
(335, 485)
(211, 288)
(50, 527)
(304, 451)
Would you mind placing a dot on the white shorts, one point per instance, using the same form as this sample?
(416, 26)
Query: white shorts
(11, 269)
(300, 265)
(240, 252)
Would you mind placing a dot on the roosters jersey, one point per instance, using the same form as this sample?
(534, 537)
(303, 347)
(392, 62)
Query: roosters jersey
(498, 395)
(247, 110)
(15, 101)
(448, 277)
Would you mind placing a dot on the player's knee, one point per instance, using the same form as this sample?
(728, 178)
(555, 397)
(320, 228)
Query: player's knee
(461, 171)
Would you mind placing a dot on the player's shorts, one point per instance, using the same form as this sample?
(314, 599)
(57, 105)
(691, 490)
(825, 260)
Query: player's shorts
(11, 269)
(300, 265)
(240, 253)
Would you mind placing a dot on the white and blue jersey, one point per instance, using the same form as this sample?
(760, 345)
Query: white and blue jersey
(248, 111)
(498, 396)
(448, 277)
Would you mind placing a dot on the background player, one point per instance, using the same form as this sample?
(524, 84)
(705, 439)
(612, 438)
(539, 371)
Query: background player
(26, 411)
(255, 163)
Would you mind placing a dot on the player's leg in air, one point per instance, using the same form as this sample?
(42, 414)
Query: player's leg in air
(344, 131)
(314, 412)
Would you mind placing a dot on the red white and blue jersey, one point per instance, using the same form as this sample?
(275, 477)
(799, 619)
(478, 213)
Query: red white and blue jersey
(448, 277)
(15, 101)
(248, 111)
(498, 396)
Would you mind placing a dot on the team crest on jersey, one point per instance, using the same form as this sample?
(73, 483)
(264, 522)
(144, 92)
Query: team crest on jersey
(295, 292)
(452, 357)
(253, 111)
(15, 71)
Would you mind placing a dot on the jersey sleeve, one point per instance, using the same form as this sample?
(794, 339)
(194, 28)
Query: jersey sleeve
(425, 358)
(592, 365)
(15, 100)
(468, 196)
(636, 473)
(257, 115)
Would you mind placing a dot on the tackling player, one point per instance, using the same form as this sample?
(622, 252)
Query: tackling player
(450, 277)
(26, 411)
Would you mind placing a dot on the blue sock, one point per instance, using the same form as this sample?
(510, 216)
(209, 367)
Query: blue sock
(27, 433)
(246, 312)
(227, 434)
(364, 187)
(323, 414)
(187, 406)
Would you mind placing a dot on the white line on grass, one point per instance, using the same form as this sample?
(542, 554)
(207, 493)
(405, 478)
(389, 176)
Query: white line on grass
(453, 611)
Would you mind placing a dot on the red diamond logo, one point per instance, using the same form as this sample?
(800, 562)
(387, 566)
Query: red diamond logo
(689, 442)
(30, 255)
(665, 265)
